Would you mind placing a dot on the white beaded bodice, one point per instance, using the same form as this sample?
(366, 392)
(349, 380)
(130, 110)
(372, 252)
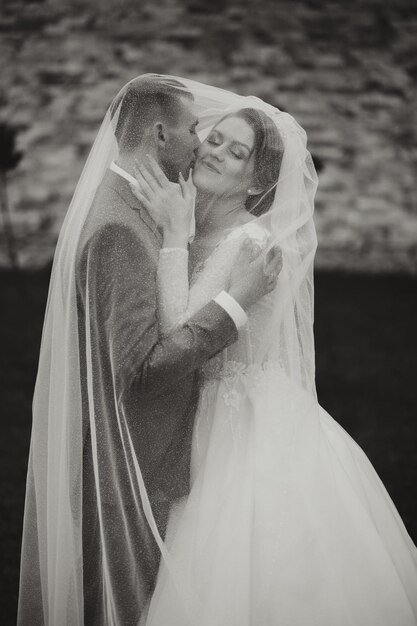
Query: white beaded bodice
(178, 300)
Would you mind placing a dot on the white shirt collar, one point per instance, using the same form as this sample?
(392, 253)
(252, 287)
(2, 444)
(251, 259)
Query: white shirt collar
(118, 170)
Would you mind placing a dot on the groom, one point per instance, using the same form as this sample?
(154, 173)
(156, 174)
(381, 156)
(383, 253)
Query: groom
(143, 385)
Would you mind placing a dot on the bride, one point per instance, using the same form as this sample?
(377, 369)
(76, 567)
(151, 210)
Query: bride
(287, 521)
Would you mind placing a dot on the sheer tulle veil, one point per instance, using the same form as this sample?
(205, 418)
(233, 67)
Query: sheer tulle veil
(51, 587)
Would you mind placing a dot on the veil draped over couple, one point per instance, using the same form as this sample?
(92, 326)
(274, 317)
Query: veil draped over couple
(181, 469)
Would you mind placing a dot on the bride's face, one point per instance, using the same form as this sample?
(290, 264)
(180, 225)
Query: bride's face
(225, 160)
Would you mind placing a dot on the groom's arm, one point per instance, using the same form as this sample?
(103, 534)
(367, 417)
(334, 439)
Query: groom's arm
(122, 287)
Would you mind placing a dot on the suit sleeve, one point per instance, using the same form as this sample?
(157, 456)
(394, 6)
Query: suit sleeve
(121, 283)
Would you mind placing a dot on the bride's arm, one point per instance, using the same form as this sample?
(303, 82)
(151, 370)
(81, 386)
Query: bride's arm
(171, 206)
(172, 288)
(177, 301)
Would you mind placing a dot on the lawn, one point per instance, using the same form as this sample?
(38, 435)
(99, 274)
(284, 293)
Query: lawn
(366, 378)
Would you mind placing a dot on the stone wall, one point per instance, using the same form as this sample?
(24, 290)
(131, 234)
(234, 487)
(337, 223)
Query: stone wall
(346, 70)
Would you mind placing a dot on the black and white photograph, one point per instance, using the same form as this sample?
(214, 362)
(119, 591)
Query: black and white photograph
(208, 305)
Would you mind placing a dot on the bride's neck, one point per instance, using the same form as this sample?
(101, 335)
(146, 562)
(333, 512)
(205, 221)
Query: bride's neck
(218, 216)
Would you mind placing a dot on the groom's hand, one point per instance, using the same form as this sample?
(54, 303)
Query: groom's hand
(252, 279)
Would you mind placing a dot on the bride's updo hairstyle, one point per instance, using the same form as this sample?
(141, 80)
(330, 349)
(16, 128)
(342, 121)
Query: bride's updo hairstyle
(268, 150)
(146, 100)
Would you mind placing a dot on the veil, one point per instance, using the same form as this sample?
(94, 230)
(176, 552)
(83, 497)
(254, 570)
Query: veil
(56, 507)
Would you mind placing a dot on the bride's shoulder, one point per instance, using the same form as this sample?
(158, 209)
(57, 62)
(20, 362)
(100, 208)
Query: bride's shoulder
(224, 253)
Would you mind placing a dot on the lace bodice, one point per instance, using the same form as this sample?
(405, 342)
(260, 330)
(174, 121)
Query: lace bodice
(179, 300)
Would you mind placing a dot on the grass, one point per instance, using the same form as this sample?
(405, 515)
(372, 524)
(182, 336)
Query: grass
(366, 365)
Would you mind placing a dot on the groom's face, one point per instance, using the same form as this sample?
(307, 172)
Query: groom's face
(181, 142)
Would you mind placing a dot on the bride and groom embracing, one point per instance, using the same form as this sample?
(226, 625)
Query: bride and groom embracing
(181, 470)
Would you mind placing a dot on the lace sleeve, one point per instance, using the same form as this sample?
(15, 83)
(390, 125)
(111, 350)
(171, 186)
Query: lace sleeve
(172, 286)
(177, 301)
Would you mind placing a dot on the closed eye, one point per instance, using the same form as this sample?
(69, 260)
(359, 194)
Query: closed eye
(193, 128)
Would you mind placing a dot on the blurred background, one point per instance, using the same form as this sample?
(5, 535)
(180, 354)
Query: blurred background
(347, 71)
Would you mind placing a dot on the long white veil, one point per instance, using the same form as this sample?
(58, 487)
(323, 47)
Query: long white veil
(51, 585)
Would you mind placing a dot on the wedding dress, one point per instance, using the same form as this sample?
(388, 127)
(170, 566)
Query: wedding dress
(260, 540)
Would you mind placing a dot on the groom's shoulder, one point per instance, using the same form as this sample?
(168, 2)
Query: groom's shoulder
(109, 206)
(108, 215)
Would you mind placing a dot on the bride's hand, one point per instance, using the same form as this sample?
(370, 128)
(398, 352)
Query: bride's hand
(254, 277)
(170, 205)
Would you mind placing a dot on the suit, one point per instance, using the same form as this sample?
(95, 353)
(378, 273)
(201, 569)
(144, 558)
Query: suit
(145, 393)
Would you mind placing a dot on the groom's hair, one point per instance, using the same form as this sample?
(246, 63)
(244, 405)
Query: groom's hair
(144, 101)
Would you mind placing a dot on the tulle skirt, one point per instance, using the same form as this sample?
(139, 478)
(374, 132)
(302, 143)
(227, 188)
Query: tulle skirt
(287, 522)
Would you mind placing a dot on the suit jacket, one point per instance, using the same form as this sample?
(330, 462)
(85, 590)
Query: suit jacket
(144, 386)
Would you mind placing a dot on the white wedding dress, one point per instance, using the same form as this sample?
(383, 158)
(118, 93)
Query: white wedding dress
(287, 522)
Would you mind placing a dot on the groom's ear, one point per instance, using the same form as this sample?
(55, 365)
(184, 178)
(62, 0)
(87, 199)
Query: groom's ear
(159, 133)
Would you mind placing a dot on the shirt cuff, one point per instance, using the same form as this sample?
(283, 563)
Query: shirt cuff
(168, 250)
(233, 308)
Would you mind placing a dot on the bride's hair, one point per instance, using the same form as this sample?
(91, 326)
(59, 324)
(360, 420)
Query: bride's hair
(144, 101)
(268, 150)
